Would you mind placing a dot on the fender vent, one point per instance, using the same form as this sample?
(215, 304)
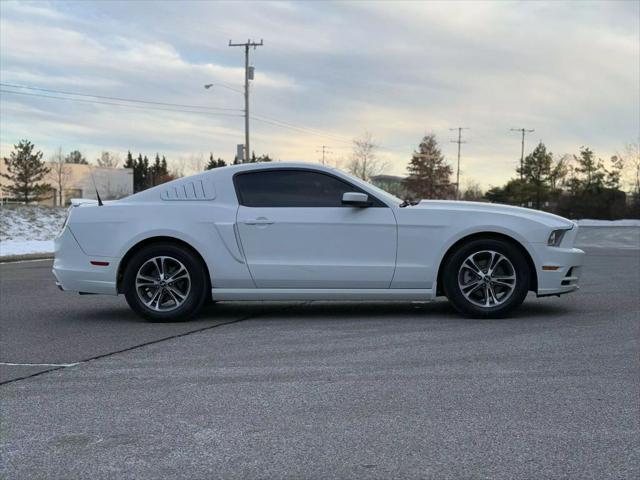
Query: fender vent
(195, 190)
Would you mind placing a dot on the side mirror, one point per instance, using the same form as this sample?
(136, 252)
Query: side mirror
(356, 199)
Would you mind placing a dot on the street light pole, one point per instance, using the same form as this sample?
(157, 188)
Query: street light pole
(248, 75)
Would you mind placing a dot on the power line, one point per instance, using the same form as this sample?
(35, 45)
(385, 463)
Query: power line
(523, 130)
(307, 129)
(294, 128)
(98, 102)
(120, 99)
(155, 106)
(459, 141)
(303, 129)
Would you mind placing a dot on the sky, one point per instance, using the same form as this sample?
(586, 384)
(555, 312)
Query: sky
(327, 73)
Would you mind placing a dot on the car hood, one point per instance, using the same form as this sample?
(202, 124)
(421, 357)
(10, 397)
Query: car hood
(548, 219)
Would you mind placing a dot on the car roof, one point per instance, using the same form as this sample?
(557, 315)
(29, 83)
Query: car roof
(267, 165)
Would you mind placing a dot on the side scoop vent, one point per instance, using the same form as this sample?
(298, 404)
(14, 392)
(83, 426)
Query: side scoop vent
(194, 190)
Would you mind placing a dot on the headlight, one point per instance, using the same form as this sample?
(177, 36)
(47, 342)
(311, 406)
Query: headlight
(556, 237)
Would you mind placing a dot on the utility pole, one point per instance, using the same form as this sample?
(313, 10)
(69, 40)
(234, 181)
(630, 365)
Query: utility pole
(459, 142)
(248, 75)
(324, 149)
(524, 131)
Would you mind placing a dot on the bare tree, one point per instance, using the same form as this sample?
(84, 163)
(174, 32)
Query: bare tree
(178, 167)
(559, 171)
(631, 171)
(59, 173)
(108, 190)
(472, 192)
(364, 162)
(108, 160)
(194, 163)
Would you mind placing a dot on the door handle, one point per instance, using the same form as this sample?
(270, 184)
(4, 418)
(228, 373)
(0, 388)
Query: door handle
(258, 221)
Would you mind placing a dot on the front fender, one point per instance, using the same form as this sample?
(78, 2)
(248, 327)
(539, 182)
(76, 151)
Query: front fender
(425, 235)
(488, 230)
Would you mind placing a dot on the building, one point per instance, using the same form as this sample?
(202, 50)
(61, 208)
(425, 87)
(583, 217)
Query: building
(75, 181)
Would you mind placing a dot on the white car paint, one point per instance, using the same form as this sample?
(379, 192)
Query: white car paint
(356, 247)
(337, 253)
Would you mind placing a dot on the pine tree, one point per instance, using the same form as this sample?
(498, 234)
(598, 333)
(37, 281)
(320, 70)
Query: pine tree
(146, 173)
(613, 178)
(25, 172)
(140, 170)
(429, 174)
(215, 163)
(164, 169)
(592, 171)
(130, 162)
(212, 163)
(155, 172)
(536, 173)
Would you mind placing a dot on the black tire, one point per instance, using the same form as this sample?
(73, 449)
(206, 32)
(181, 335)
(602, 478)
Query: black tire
(194, 299)
(452, 273)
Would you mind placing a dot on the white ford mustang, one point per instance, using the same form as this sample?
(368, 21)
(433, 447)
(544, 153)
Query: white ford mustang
(286, 231)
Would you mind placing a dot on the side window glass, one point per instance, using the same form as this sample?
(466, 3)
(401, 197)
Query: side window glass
(290, 188)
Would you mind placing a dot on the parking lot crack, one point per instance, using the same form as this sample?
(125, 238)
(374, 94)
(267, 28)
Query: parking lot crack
(124, 350)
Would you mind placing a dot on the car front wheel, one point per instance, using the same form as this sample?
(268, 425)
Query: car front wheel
(486, 278)
(165, 283)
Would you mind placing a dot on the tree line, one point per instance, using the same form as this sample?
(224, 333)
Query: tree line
(219, 162)
(574, 186)
(31, 178)
(147, 174)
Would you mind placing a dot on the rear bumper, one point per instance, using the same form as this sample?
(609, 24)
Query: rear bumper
(74, 272)
(559, 271)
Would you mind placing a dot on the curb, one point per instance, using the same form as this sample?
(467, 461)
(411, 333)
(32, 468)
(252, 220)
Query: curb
(26, 256)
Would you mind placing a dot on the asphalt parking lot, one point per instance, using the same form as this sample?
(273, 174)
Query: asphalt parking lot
(321, 390)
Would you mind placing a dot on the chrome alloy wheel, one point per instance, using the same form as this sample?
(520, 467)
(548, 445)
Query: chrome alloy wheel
(487, 278)
(163, 283)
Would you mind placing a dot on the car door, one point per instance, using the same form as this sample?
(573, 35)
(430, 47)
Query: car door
(296, 233)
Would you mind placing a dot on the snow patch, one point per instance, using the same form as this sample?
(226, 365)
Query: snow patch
(29, 229)
(22, 247)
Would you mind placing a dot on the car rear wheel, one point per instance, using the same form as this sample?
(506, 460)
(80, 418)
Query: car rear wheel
(165, 283)
(486, 278)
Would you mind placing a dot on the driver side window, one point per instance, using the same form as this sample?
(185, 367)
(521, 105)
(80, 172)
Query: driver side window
(291, 188)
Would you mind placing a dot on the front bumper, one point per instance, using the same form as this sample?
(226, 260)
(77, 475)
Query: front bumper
(559, 270)
(74, 272)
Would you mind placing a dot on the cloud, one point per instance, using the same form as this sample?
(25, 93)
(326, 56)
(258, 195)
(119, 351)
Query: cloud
(396, 69)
